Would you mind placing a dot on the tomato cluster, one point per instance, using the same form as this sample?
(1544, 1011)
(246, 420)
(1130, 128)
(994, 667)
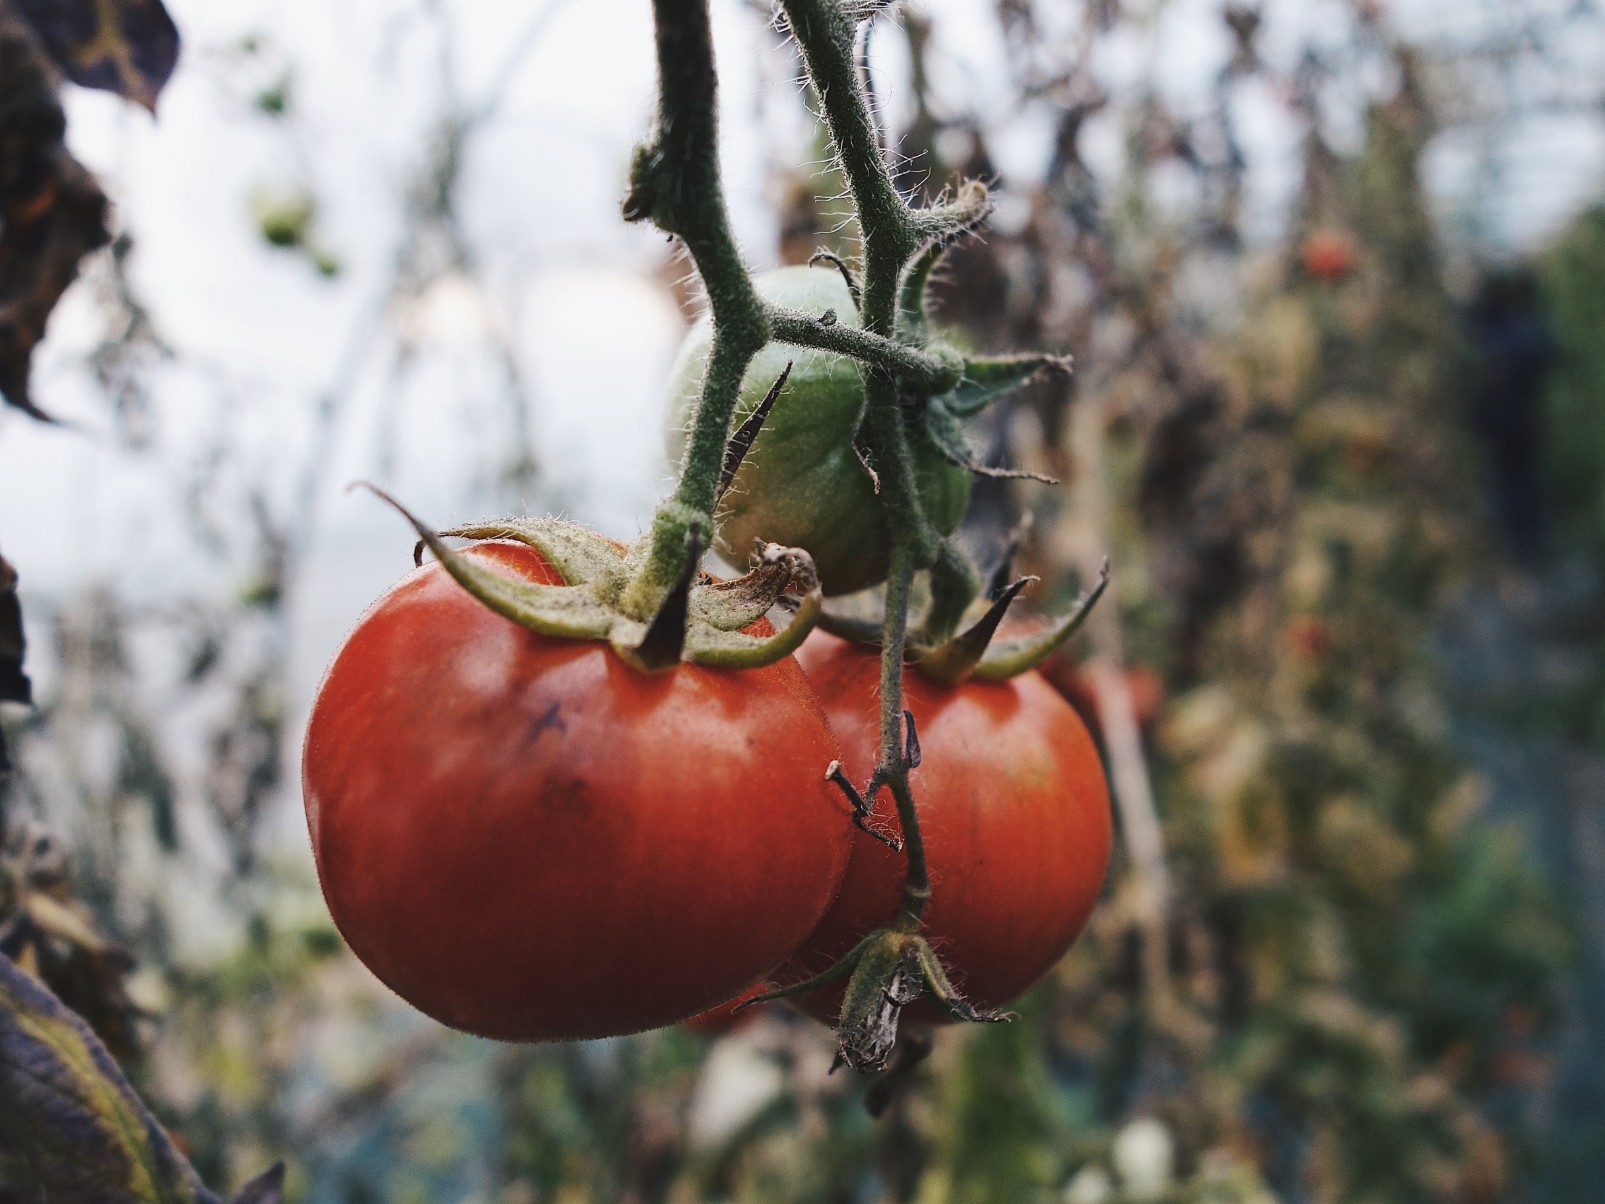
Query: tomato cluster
(529, 835)
(527, 839)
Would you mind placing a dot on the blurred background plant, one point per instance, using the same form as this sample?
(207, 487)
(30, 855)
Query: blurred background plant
(1330, 276)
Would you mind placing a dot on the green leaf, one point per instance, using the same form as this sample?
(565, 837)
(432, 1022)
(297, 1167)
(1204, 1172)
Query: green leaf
(129, 47)
(68, 1116)
(989, 378)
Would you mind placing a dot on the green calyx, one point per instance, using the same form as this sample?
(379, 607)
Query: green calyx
(692, 618)
(958, 639)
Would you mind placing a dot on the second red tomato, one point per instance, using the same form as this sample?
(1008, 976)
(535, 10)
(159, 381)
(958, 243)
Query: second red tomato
(1014, 810)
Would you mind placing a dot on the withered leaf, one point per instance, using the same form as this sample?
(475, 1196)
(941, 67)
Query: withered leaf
(14, 684)
(52, 213)
(129, 47)
(72, 1131)
(69, 1117)
(266, 1188)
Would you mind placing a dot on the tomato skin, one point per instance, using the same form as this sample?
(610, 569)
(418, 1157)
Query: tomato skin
(527, 839)
(1014, 811)
(716, 1022)
(801, 484)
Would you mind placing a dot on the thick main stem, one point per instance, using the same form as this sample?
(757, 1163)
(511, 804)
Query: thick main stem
(675, 181)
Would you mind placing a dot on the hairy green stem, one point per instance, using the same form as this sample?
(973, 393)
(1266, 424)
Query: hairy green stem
(924, 370)
(825, 36)
(675, 182)
(892, 235)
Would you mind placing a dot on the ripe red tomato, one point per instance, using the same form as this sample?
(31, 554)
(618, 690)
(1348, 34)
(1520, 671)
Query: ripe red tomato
(528, 839)
(1308, 637)
(1014, 810)
(1328, 254)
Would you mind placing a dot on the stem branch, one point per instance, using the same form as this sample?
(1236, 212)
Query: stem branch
(929, 373)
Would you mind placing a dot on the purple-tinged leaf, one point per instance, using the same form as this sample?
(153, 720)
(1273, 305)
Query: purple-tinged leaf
(129, 47)
(68, 1116)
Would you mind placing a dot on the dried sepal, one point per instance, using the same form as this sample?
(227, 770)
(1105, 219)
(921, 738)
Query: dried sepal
(1003, 572)
(708, 646)
(890, 969)
(941, 991)
(895, 969)
(946, 432)
(1009, 658)
(887, 980)
(955, 660)
(736, 449)
(563, 611)
(836, 261)
(776, 571)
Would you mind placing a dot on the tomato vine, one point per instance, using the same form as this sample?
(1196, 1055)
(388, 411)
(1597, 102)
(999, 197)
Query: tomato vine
(675, 182)
(651, 602)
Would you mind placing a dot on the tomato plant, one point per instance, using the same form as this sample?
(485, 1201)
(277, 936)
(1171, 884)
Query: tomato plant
(527, 838)
(802, 483)
(1014, 812)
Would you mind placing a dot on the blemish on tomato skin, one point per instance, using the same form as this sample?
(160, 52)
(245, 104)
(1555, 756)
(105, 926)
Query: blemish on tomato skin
(551, 720)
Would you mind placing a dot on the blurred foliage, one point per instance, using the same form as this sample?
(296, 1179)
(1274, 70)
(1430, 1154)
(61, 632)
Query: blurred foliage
(1570, 272)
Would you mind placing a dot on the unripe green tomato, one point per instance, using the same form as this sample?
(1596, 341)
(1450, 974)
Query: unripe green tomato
(801, 484)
